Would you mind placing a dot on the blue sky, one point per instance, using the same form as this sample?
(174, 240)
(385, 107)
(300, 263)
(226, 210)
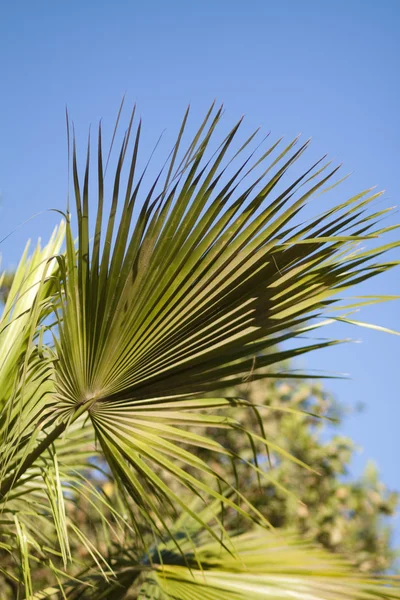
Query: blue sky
(326, 69)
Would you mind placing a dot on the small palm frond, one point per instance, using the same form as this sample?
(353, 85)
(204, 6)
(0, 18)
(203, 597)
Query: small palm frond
(29, 289)
(24, 372)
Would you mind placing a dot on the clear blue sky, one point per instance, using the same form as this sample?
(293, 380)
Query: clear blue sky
(327, 69)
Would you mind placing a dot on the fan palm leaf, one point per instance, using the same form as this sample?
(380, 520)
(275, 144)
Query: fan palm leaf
(199, 281)
(215, 273)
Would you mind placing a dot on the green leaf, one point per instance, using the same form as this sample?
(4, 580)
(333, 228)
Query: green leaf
(203, 288)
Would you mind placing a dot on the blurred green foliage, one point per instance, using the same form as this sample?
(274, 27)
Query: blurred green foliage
(343, 514)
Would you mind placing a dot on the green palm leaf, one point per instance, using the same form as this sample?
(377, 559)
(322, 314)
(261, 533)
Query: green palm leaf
(200, 281)
(22, 367)
(214, 275)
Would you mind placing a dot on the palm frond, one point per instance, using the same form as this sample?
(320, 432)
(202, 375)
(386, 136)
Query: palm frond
(209, 284)
(199, 282)
(23, 369)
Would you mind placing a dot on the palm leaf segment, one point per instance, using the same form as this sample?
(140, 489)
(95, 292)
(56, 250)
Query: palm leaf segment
(195, 294)
(22, 366)
(22, 405)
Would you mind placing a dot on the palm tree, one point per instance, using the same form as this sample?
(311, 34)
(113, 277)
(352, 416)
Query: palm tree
(112, 351)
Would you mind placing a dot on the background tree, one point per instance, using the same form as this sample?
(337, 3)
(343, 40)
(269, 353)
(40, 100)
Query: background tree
(343, 514)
